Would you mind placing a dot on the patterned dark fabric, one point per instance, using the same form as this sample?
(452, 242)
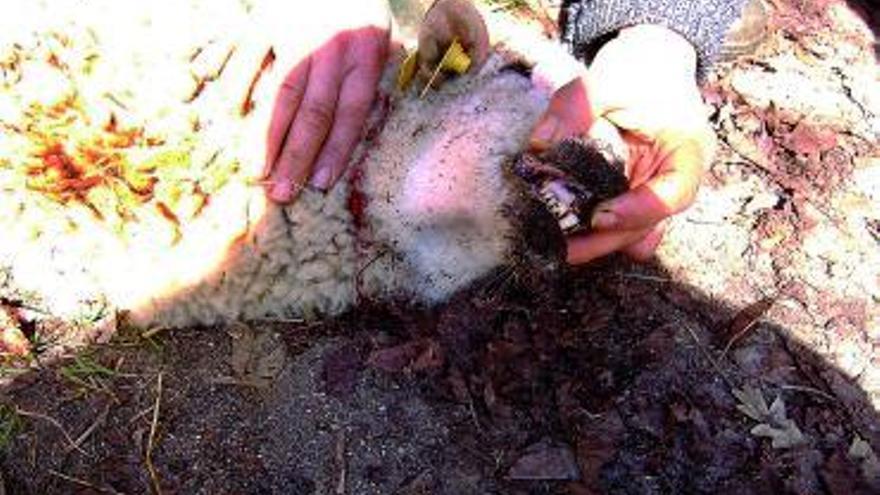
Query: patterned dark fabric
(703, 22)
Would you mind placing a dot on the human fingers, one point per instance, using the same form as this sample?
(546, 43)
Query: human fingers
(364, 62)
(644, 249)
(452, 19)
(311, 124)
(669, 190)
(585, 248)
(287, 102)
(568, 114)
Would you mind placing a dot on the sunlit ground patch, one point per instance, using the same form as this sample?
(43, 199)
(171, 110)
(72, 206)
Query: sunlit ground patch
(111, 194)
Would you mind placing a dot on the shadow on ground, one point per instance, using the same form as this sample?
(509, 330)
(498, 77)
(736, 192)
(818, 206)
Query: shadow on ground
(614, 380)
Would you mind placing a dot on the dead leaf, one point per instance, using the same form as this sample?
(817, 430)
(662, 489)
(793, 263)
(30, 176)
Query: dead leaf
(416, 355)
(773, 421)
(752, 403)
(744, 322)
(783, 435)
(862, 452)
(393, 359)
(340, 370)
(431, 357)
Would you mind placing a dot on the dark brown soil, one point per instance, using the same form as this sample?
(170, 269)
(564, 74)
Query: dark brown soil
(616, 364)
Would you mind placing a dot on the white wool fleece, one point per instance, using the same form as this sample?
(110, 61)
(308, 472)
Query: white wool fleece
(433, 222)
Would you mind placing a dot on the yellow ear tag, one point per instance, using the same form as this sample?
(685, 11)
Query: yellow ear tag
(407, 70)
(454, 60)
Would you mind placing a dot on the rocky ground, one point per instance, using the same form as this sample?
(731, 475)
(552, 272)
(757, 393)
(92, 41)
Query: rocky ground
(745, 359)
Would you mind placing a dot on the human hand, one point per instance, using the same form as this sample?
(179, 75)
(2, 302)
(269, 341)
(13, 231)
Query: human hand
(641, 92)
(326, 93)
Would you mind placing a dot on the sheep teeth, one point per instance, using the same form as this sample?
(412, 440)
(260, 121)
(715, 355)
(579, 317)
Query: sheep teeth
(559, 200)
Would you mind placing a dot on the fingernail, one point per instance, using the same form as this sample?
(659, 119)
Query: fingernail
(544, 132)
(604, 219)
(280, 191)
(321, 179)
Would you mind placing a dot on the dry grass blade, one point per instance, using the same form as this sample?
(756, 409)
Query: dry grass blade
(812, 390)
(152, 332)
(56, 424)
(148, 458)
(140, 415)
(82, 483)
(708, 356)
(91, 429)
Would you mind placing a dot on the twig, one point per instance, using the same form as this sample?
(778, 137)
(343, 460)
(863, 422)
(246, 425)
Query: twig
(15, 303)
(295, 321)
(32, 451)
(709, 357)
(737, 336)
(647, 278)
(54, 423)
(228, 380)
(120, 374)
(80, 482)
(151, 332)
(472, 409)
(811, 390)
(114, 99)
(359, 276)
(154, 476)
(85, 435)
(340, 461)
(140, 415)
(746, 159)
(247, 104)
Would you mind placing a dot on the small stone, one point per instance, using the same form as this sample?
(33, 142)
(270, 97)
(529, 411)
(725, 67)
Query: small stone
(546, 460)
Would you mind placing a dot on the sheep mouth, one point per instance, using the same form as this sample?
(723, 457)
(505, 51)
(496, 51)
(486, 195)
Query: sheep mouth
(571, 179)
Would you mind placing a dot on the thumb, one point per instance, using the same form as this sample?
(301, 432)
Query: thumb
(569, 114)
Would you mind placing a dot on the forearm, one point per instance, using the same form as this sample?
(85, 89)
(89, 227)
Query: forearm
(702, 22)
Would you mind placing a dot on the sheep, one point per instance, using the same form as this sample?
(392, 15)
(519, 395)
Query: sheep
(316, 256)
(428, 206)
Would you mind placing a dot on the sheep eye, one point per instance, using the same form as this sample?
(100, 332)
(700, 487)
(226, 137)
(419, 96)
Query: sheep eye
(518, 67)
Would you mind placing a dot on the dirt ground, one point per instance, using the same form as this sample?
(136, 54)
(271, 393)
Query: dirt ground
(745, 359)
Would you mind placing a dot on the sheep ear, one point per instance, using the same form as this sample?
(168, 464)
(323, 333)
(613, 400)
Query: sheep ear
(448, 22)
